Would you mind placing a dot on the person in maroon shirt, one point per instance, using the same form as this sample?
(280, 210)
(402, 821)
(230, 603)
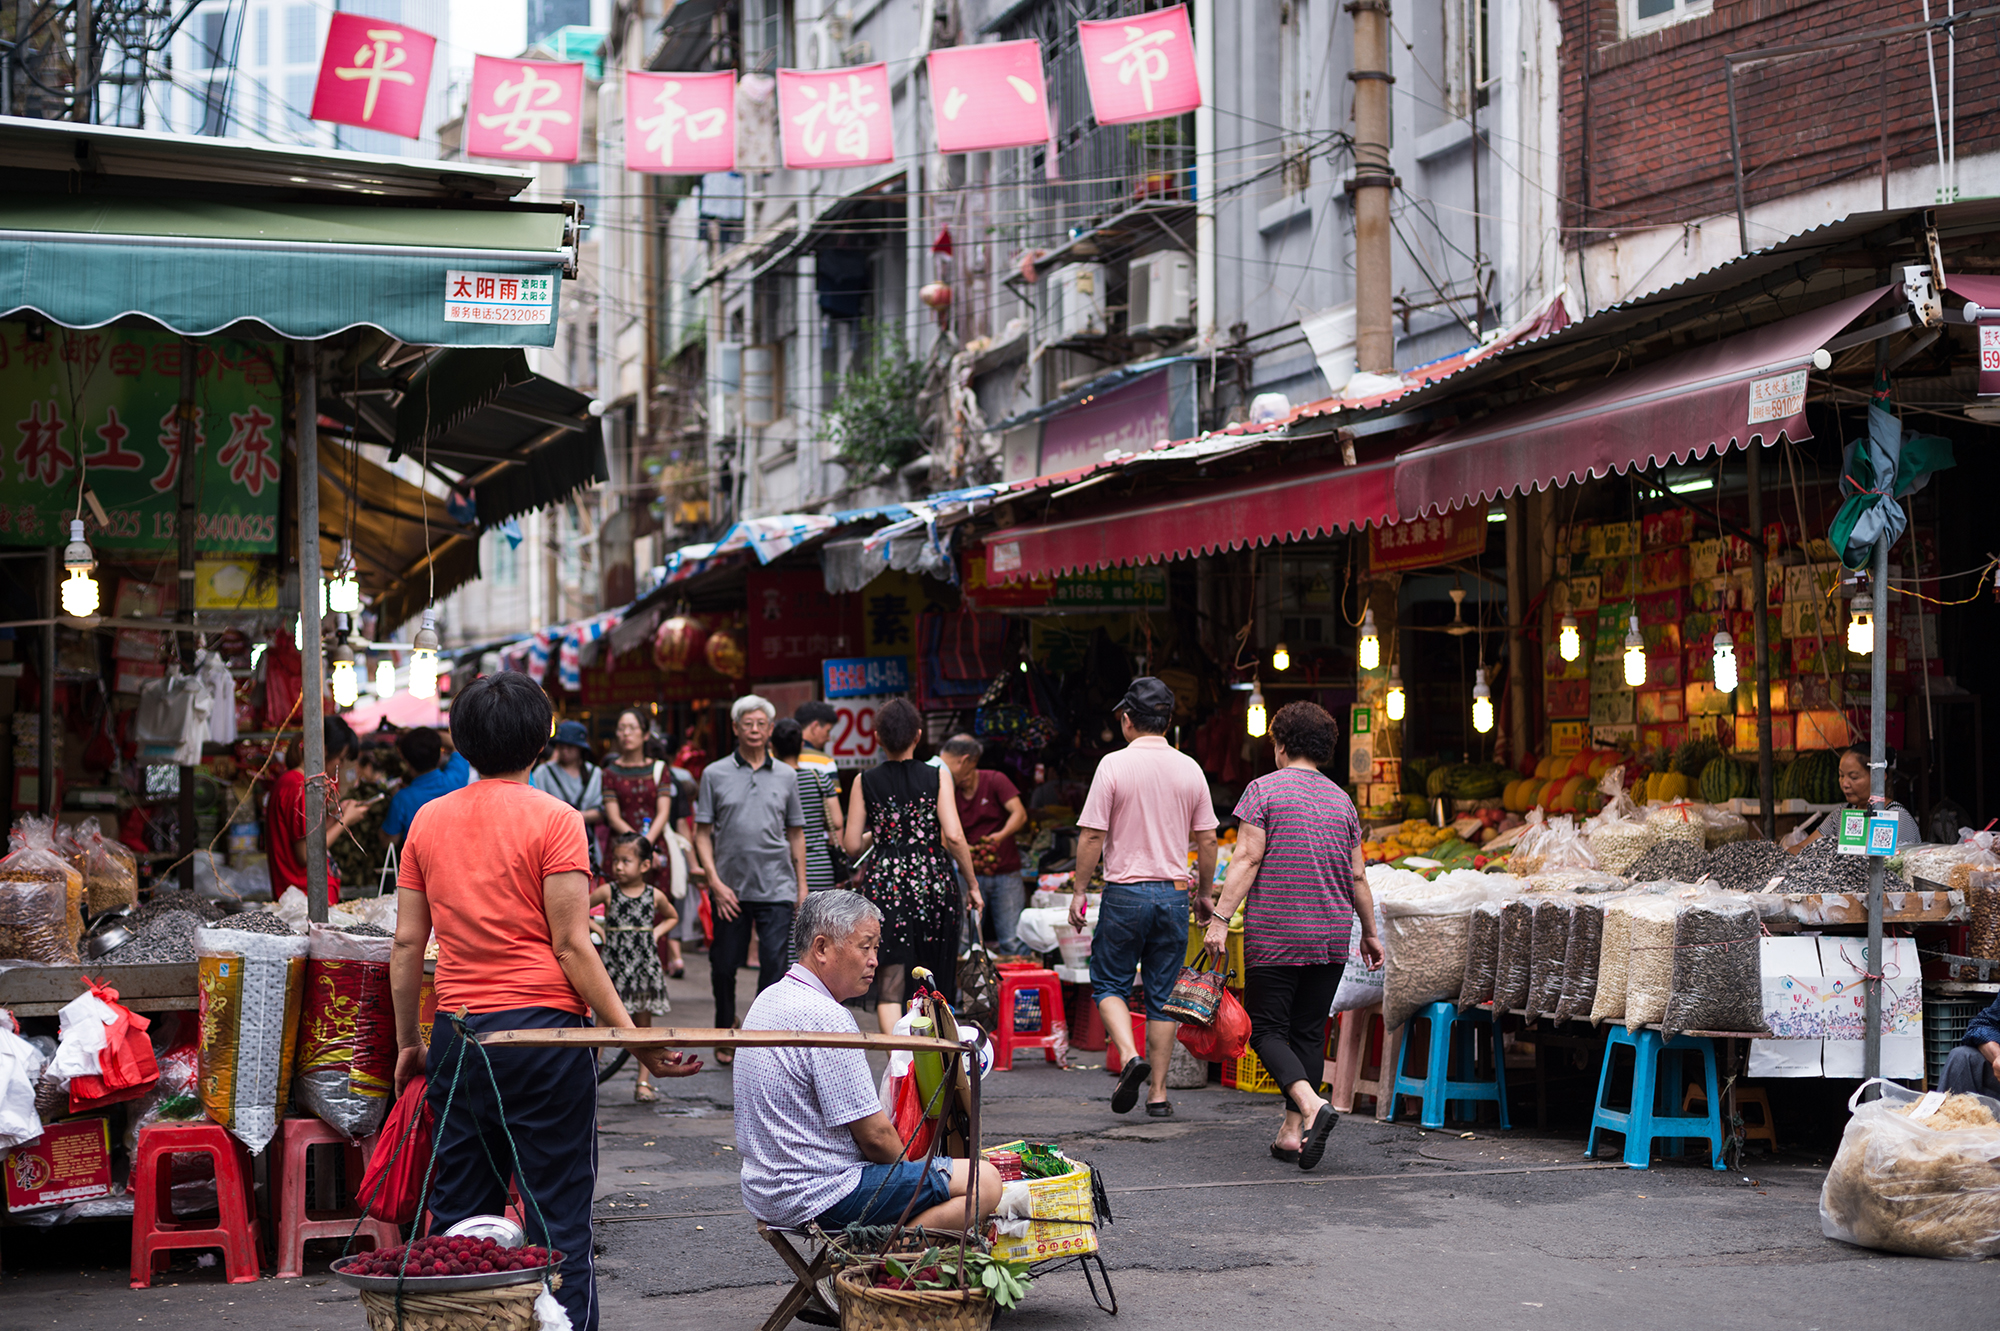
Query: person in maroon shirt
(990, 809)
(285, 813)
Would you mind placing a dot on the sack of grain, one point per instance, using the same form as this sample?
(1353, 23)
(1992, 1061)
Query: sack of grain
(1619, 842)
(1510, 971)
(1580, 958)
(347, 1031)
(1482, 955)
(251, 985)
(1982, 900)
(1549, 949)
(1360, 987)
(1649, 967)
(1717, 980)
(1614, 957)
(1917, 1174)
(1426, 939)
(1578, 881)
(1719, 826)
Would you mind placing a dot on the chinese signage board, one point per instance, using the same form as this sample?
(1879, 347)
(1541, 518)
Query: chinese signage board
(70, 1162)
(835, 117)
(498, 298)
(1128, 419)
(1141, 67)
(374, 75)
(795, 625)
(989, 96)
(853, 742)
(1139, 588)
(864, 677)
(105, 401)
(524, 110)
(1427, 542)
(1777, 397)
(1989, 358)
(680, 124)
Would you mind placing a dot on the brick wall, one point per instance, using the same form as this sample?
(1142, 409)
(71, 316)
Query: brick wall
(1646, 121)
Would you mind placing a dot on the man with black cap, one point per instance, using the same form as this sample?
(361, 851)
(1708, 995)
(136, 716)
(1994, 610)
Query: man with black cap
(1146, 803)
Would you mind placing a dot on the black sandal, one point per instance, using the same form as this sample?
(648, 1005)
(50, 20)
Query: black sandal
(1284, 1153)
(1313, 1146)
(1135, 1075)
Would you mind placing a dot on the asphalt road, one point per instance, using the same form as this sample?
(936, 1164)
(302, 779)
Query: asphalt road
(1397, 1228)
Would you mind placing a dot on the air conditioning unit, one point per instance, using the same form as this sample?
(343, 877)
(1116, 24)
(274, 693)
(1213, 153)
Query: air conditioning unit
(823, 43)
(1076, 302)
(1160, 293)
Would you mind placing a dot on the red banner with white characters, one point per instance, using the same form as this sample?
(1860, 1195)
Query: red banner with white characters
(374, 75)
(524, 110)
(680, 124)
(1140, 68)
(988, 97)
(835, 117)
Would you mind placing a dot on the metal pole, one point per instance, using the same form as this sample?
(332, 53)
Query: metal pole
(1767, 787)
(45, 791)
(1374, 287)
(1517, 652)
(1736, 157)
(1878, 783)
(312, 715)
(86, 85)
(184, 532)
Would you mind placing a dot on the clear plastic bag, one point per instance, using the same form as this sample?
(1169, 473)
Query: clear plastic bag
(1614, 956)
(110, 871)
(1580, 958)
(1649, 966)
(1510, 970)
(1482, 955)
(1360, 987)
(1549, 949)
(1716, 972)
(1926, 1186)
(1426, 939)
(41, 897)
(1982, 900)
(1680, 820)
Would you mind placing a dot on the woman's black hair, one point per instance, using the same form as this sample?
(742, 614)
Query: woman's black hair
(898, 725)
(501, 722)
(1304, 730)
(788, 739)
(637, 840)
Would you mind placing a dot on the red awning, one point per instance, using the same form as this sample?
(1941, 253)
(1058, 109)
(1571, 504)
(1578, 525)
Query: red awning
(1751, 386)
(1284, 507)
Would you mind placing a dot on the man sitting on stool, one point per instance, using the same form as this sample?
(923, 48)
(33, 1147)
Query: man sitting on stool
(1975, 1064)
(815, 1143)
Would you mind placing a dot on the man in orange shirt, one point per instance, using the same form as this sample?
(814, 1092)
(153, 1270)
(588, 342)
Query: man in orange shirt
(501, 871)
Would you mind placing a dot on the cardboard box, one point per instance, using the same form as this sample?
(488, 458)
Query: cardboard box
(71, 1162)
(1783, 734)
(1666, 738)
(1703, 699)
(1746, 697)
(1675, 526)
(1662, 569)
(1569, 697)
(1659, 707)
(1613, 707)
(1614, 540)
(1824, 730)
(1566, 738)
(1666, 607)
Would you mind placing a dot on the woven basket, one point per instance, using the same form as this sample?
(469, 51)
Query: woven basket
(508, 1308)
(863, 1307)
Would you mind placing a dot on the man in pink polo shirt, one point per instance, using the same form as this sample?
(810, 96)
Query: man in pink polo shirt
(1147, 801)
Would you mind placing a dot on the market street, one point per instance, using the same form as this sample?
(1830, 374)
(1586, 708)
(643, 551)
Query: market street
(1397, 1228)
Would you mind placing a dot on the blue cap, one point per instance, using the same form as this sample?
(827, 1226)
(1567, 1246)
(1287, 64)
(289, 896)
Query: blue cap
(572, 732)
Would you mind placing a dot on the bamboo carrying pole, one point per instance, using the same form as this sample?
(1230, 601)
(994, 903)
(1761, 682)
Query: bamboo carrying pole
(699, 1037)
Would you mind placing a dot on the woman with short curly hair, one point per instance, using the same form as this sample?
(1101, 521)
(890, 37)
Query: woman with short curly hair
(1298, 863)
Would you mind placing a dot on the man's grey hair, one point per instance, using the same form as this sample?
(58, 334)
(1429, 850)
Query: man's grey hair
(833, 914)
(964, 746)
(750, 702)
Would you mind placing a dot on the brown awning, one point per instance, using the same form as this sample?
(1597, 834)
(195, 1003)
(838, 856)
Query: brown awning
(400, 570)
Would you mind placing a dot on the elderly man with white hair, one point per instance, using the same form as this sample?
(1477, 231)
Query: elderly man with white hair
(815, 1144)
(750, 836)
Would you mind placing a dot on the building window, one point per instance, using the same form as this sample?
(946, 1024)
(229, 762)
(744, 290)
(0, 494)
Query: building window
(1643, 16)
(260, 42)
(503, 560)
(299, 100)
(301, 35)
(764, 33)
(211, 43)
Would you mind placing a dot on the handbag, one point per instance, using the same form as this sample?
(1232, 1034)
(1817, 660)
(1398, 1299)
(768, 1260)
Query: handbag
(1197, 994)
(1225, 1040)
(978, 980)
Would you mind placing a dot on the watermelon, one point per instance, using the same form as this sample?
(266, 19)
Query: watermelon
(1724, 779)
(1693, 757)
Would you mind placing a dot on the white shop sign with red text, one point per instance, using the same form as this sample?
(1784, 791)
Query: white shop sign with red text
(853, 742)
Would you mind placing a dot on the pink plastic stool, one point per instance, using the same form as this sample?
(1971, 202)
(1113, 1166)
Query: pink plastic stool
(1346, 1071)
(296, 1221)
(156, 1232)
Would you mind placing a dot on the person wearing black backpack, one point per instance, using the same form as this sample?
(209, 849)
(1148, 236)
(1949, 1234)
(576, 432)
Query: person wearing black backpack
(572, 778)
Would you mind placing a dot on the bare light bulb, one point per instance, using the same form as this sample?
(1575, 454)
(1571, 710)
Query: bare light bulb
(385, 679)
(1725, 663)
(1482, 702)
(424, 659)
(1861, 626)
(79, 592)
(1393, 700)
(1570, 643)
(1254, 720)
(1371, 642)
(343, 678)
(343, 594)
(1635, 655)
(1281, 658)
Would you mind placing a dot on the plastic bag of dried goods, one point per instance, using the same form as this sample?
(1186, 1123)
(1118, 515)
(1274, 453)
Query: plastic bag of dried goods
(1916, 1173)
(1360, 987)
(21, 1067)
(1719, 826)
(347, 1031)
(1982, 900)
(1649, 968)
(1679, 820)
(1716, 980)
(251, 986)
(1580, 958)
(1549, 949)
(1510, 969)
(41, 897)
(1614, 955)
(1482, 955)
(1425, 939)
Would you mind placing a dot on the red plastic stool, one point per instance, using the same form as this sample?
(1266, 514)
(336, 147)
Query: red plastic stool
(1052, 1036)
(297, 1220)
(155, 1231)
(1114, 1062)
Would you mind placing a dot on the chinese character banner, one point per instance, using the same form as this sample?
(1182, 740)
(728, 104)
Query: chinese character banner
(680, 124)
(108, 399)
(374, 75)
(1139, 68)
(988, 97)
(524, 110)
(836, 117)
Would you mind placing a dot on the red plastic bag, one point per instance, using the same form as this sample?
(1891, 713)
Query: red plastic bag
(1226, 1039)
(909, 1120)
(394, 1179)
(126, 1066)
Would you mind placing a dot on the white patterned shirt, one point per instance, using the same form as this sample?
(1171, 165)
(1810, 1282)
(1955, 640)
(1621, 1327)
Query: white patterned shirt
(793, 1106)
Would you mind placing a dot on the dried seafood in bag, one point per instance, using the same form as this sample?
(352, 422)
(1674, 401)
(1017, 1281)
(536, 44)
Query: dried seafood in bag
(1510, 970)
(41, 898)
(1911, 1182)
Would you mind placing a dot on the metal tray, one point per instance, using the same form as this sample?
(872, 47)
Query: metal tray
(443, 1284)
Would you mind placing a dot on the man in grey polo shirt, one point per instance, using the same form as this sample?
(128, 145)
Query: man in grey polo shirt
(749, 834)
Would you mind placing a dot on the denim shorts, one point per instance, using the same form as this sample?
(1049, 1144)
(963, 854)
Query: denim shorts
(885, 1190)
(1140, 926)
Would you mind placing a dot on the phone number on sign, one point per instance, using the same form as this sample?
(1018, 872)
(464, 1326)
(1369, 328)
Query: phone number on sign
(482, 314)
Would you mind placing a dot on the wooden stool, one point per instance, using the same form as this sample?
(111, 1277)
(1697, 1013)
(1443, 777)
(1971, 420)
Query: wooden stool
(155, 1231)
(810, 1299)
(297, 1219)
(1764, 1130)
(1347, 1072)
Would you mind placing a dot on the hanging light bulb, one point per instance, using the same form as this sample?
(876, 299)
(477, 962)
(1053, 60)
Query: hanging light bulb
(343, 594)
(1371, 643)
(1393, 700)
(346, 683)
(1725, 662)
(1482, 702)
(385, 679)
(1254, 720)
(1281, 658)
(79, 593)
(1861, 625)
(1635, 655)
(1570, 643)
(424, 660)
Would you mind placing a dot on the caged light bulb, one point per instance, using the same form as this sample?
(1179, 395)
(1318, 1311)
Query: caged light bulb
(424, 659)
(1371, 642)
(1861, 626)
(1635, 655)
(1482, 702)
(1394, 699)
(1725, 663)
(79, 592)
(1254, 720)
(1570, 643)
(1281, 658)
(385, 679)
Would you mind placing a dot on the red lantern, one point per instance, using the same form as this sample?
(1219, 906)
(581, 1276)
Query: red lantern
(677, 644)
(726, 655)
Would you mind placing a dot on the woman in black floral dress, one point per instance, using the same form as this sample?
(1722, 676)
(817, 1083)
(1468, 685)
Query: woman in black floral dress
(908, 810)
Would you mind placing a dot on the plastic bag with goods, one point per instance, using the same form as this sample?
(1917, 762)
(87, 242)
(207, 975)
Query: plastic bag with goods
(1619, 834)
(1719, 826)
(1549, 949)
(1982, 900)
(1953, 865)
(176, 1096)
(347, 1031)
(1614, 956)
(1918, 1174)
(1510, 968)
(1551, 846)
(1649, 970)
(1580, 958)
(1425, 939)
(110, 871)
(1717, 977)
(251, 986)
(1482, 955)
(1578, 881)
(21, 1067)
(1680, 820)
(41, 897)
(1360, 987)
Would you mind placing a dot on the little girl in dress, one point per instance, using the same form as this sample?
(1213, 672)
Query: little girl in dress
(635, 918)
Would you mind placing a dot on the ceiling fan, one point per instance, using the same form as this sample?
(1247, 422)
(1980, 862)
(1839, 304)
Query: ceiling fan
(1457, 628)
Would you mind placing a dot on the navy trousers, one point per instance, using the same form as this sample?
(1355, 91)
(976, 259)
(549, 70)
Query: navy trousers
(549, 1097)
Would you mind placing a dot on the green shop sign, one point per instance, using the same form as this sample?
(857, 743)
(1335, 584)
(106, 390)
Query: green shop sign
(99, 407)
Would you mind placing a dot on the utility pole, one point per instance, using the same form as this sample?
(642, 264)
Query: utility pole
(86, 89)
(188, 485)
(312, 671)
(1374, 329)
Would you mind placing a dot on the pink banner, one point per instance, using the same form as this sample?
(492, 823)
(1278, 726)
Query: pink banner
(524, 110)
(680, 124)
(374, 75)
(987, 97)
(1140, 68)
(836, 117)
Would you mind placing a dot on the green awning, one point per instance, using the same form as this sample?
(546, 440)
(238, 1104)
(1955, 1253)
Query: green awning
(479, 276)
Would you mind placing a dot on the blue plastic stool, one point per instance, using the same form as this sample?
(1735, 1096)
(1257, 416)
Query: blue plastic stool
(1656, 1068)
(1451, 1033)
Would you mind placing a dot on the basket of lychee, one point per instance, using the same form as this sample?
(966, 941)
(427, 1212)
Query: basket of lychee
(445, 1261)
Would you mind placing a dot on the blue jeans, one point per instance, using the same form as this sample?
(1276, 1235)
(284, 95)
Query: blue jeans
(884, 1192)
(1005, 895)
(1140, 927)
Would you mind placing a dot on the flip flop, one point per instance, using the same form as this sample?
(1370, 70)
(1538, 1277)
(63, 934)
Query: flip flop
(1284, 1153)
(1312, 1147)
(1135, 1075)
(724, 1057)
(643, 1094)
(1160, 1109)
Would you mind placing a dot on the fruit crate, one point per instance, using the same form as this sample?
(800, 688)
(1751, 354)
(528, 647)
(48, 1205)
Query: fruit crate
(1945, 1020)
(1247, 1074)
